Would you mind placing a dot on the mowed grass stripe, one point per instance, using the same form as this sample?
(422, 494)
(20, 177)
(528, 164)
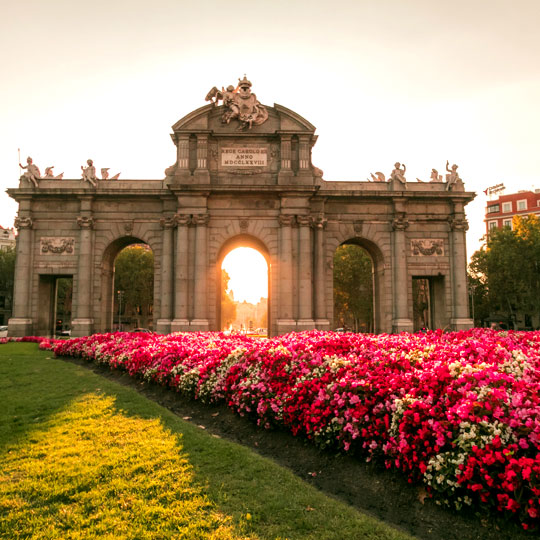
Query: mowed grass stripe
(84, 457)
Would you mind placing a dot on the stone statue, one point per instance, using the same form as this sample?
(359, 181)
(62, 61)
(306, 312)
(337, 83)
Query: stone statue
(399, 174)
(435, 176)
(378, 177)
(116, 176)
(105, 173)
(89, 173)
(32, 173)
(453, 178)
(240, 104)
(50, 175)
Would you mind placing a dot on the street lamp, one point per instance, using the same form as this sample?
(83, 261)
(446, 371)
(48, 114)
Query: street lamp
(120, 296)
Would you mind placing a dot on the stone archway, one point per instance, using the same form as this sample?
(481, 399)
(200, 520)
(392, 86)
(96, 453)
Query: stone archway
(239, 175)
(107, 279)
(244, 240)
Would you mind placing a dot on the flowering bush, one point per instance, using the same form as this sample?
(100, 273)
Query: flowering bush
(44, 343)
(459, 412)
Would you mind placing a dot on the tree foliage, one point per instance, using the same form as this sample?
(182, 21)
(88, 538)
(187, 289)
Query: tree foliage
(353, 288)
(505, 273)
(134, 275)
(228, 305)
(7, 276)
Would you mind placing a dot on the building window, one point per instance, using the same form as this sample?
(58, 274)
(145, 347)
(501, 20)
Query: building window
(493, 208)
(492, 225)
(522, 205)
(507, 223)
(507, 207)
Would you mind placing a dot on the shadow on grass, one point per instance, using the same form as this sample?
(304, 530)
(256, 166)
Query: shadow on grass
(263, 499)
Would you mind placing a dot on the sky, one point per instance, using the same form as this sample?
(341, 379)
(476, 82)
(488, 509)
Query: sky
(415, 81)
(248, 273)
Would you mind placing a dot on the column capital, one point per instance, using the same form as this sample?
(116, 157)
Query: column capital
(23, 223)
(319, 222)
(458, 224)
(168, 223)
(200, 219)
(182, 219)
(400, 223)
(304, 221)
(286, 220)
(85, 222)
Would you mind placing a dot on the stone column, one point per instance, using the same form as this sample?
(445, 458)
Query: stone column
(181, 306)
(285, 171)
(200, 320)
(321, 319)
(163, 325)
(201, 171)
(458, 264)
(401, 321)
(303, 154)
(20, 324)
(82, 322)
(285, 323)
(305, 275)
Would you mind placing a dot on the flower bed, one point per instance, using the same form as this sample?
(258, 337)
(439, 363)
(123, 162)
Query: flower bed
(459, 412)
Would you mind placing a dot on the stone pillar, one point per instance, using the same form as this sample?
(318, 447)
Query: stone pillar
(303, 154)
(321, 319)
(285, 172)
(200, 303)
(163, 325)
(181, 305)
(201, 171)
(20, 324)
(285, 322)
(183, 153)
(400, 321)
(458, 264)
(305, 275)
(82, 322)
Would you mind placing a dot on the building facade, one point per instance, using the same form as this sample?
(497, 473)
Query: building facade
(499, 212)
(243, 176)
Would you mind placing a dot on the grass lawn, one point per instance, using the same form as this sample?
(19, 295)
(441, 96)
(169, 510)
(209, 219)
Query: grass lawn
(84, 457)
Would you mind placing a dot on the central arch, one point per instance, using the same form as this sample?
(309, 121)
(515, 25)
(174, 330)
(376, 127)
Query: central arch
(242, 241)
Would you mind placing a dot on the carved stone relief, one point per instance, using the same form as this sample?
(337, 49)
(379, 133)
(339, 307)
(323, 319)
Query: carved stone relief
(427, 247)
(57, 245)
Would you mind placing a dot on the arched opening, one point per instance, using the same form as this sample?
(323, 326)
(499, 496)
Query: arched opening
(127, 286)
(354, 288)
(244, 277)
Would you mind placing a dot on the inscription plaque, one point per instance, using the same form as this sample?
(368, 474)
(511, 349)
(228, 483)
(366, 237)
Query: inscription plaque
(244, 156)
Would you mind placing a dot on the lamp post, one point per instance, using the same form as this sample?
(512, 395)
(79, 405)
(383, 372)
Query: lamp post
(120, 297)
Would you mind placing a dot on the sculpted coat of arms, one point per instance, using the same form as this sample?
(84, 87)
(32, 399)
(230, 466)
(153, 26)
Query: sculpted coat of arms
(240, 104)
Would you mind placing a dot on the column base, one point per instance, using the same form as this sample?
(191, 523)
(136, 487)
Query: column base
(285, 177)
(322, 324)
(20, 327)
(461, 324)
(402, 325)
(305, 324)
(82, 327)
(284, 326)
(163, 326)
(199, 325)
(180, 325)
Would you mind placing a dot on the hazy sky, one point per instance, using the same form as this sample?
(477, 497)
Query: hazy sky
(415, 81)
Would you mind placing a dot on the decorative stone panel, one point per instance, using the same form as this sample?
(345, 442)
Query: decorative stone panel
(55, 245)
(427, 247)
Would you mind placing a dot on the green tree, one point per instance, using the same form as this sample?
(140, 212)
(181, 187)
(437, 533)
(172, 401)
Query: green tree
(353, 288)
(134, 275)
(7, 278)
(228, 305)
(506, 270)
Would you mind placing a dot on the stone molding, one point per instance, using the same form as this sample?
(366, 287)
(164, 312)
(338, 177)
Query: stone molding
(85, 222)
(427, 247)
(57, 245)
(168, 223)
(23, 223)
(182, 220)
(319, 222)
(304, 221)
